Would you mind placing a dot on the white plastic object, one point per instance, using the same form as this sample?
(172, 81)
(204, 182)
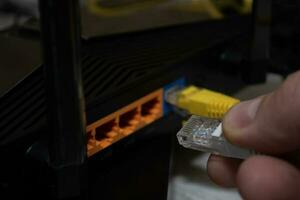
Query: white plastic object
(205, 134)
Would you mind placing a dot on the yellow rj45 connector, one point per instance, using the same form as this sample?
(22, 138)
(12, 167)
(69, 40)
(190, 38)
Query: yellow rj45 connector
(203, 102)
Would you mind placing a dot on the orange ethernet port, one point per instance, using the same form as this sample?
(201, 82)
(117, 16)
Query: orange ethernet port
(90, 140)
(151, 110)
(106, 133)
(129, 121)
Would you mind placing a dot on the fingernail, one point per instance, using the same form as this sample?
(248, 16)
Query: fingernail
(240, 116)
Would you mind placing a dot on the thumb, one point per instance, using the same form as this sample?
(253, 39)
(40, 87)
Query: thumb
(268, 124)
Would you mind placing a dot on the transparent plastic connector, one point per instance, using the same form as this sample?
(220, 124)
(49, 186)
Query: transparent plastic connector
(172, 95)
(205, 134)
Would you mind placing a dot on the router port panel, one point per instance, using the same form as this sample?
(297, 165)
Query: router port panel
(125, 121)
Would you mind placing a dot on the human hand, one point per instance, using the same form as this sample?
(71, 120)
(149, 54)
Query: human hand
(271, 125)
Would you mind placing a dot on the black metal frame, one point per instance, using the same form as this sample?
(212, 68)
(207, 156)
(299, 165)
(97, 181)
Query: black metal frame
(259, 51)
(61, 33)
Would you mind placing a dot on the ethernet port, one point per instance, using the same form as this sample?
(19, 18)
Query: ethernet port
(151, 109)
(90, 140)
(129, 121)
(106, 133)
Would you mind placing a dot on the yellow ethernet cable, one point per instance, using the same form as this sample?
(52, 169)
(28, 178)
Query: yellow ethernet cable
(202, 102)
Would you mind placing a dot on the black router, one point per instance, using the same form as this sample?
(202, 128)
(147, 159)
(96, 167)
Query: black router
(129, 128)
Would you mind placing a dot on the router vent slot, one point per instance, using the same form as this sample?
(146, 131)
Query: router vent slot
(139, 56)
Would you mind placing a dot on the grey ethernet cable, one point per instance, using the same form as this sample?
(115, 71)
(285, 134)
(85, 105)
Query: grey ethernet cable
(205, 134)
